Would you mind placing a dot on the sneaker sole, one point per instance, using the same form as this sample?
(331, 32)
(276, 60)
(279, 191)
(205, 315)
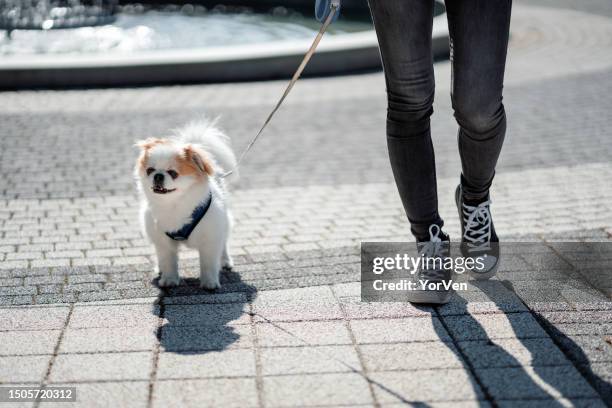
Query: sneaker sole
(484, 275)
(430, 297)
(476, 275)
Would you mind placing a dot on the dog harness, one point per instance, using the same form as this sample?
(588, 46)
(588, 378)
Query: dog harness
(199, 212)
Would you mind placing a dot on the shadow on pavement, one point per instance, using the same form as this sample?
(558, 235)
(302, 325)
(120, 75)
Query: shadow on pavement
(197, 321)
(544, 374)
(482, 348)
(573, 352)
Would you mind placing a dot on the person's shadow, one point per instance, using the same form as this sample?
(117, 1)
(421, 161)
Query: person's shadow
(198, 321)
(499, 374)
(572, 351)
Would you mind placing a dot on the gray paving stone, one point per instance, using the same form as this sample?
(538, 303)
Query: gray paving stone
(114, 286)
(226, 392)
(24, 272)
(354, 308)
(302, 333)
(49, 263)
(479, 303)
(70, 270)
(82, 287)
(316, 390)
(28, 342)
(512, 352)
(139, 293)
(11, 281)
(16, 300)
(71, 246)
(577, 316)
(86, 316)
(309, 360)
(600, 377)
(49, 289)
(13, 264)
(64, 254)
(55, 298)
(315, 303)
(15, 256)
(546, 262)
(231, 297)
(535, 382)
(549, 306)
(97, 367)
(538, 295)
(23, 369)
(225, 363)
(561, 285)
(410, 356)
(130, 260)
(585, 328)
(425, 385)
(17, 290)
(496, 326)
(93, 278)
(33, 318)
(99, 340)
(185, 339)
(528, 274)
(587, 349)
(99, 295)
(41, 280)
(90, 261)
(213, 315)
(95, 253)
(399, 330)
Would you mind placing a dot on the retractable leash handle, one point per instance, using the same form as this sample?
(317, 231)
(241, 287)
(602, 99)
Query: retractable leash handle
(326, 11)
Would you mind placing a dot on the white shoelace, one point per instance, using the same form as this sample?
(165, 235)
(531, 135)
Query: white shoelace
(432, 248)
(477, 221)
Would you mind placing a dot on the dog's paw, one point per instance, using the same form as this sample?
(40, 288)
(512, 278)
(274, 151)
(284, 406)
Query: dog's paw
(209, 283)
(227, 263)
(168, 281)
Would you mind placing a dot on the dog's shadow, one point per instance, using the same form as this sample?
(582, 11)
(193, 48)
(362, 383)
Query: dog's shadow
(197, 321)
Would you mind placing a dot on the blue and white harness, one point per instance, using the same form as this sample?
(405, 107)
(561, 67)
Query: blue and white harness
(182, 234)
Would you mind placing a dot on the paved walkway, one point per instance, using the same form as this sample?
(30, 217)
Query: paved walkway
(288, 329)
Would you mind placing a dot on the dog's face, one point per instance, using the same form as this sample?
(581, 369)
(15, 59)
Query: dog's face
(167, 169)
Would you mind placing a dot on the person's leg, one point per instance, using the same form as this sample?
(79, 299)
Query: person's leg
(404, 28)
(479, 31)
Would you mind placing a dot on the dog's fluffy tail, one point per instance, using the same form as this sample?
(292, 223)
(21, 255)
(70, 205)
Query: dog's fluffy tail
(205, 133)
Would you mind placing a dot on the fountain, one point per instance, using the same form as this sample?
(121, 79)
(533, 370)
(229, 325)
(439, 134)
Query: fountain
(54, 14)
(60, 43)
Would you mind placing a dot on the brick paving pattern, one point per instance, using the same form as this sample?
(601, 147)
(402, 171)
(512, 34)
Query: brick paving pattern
(288, 327)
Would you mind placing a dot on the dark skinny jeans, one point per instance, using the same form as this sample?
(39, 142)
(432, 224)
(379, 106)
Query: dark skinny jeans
(479, 31)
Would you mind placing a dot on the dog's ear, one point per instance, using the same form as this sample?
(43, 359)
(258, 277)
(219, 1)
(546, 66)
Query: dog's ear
(149, 142)
(198, 157)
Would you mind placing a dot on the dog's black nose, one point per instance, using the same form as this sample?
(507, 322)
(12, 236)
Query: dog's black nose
(158, 178)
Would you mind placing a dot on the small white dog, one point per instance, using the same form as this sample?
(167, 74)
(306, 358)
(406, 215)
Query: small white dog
(184, 200)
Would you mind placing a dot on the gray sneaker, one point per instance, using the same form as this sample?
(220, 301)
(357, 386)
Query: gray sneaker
(431, 277)
(478, 237)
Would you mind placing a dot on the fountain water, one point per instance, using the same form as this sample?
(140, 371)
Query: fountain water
(58, 43)
(49, 14)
